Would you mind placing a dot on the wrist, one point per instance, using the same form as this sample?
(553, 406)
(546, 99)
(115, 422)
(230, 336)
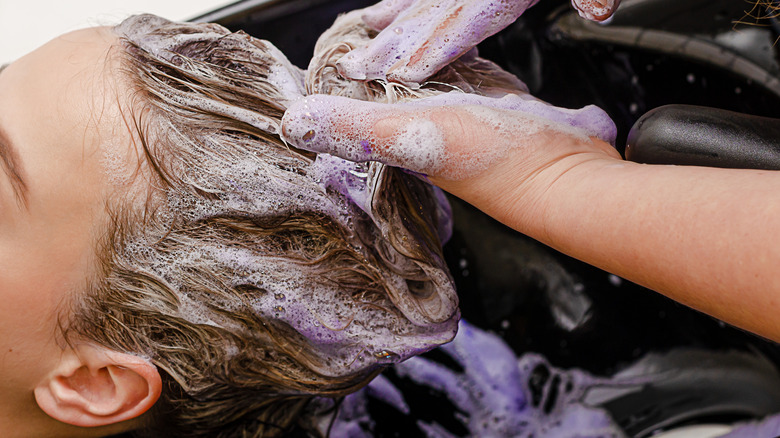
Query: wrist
(522, 189)
(557, 193)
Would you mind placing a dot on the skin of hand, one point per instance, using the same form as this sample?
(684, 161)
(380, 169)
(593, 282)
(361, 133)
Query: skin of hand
(418, 37)
(703, 236)
(499, 159)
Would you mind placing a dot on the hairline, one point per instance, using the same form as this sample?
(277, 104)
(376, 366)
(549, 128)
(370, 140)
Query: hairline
(120, 204)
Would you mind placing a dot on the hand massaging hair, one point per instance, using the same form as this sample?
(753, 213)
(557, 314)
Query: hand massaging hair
(257, 276)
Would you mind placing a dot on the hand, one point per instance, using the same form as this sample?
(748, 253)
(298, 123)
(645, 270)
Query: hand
(419, 37)
(499, 154)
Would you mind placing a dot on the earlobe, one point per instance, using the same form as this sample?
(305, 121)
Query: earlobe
(94, 386)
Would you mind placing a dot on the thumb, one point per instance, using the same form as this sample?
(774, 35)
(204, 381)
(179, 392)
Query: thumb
(394, 134)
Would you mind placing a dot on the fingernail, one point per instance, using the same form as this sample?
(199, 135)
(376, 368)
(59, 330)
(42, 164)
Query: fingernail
(301, 123)
(329, 124)
(351, 67)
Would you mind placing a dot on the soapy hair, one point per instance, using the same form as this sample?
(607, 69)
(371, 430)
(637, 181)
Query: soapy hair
(248, 277)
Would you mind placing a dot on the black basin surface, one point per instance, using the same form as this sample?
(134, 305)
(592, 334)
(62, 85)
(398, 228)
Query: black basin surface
(652, 53)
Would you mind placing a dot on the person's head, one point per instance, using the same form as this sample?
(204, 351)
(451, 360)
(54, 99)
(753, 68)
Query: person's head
(170, 265)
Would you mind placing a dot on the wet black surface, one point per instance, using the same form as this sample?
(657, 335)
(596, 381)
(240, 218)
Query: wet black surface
(705, 136)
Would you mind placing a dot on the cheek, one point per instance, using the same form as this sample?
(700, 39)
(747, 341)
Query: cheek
(28, 325)
(38, 269)
(30, 287)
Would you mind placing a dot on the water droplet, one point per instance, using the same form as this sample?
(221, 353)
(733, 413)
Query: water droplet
(309, 135)
(279, 310)
(398, 30)
(279, 296)
(386, 356)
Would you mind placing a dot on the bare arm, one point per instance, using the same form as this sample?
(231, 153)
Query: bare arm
(703, 236)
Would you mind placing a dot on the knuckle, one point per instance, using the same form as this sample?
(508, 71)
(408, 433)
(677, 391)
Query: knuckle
(462, 131)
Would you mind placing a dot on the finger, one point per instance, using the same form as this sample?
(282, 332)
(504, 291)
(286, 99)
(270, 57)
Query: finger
(380, 15)
(363, 131)
(452, 135)
(595, 10)
(428, 35)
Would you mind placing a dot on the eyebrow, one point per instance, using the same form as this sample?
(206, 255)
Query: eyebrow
(13, 168)
(12, 164)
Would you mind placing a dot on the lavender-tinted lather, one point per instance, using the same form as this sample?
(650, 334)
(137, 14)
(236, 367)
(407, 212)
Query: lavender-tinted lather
(492, 392)
(345, 127)
(421, 37)
(769, 427)
(347, 333)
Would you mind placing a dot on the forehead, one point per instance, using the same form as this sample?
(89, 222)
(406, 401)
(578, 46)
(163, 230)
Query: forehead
(63, 85)
(74, 81)
(59, 110)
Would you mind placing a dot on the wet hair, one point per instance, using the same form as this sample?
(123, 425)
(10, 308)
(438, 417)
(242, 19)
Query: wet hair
(761, 12)
(253, 275)
(256, 276)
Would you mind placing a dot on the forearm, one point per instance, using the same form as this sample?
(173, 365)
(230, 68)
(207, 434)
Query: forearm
(702, 236)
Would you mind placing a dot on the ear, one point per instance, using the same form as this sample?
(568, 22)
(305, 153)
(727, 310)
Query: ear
(94, 386)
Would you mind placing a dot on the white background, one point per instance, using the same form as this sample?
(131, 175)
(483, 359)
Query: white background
(27, 24)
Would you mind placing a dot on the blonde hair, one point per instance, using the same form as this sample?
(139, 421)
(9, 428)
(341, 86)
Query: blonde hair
(256, 276)
(760, 12)
(248, 277)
